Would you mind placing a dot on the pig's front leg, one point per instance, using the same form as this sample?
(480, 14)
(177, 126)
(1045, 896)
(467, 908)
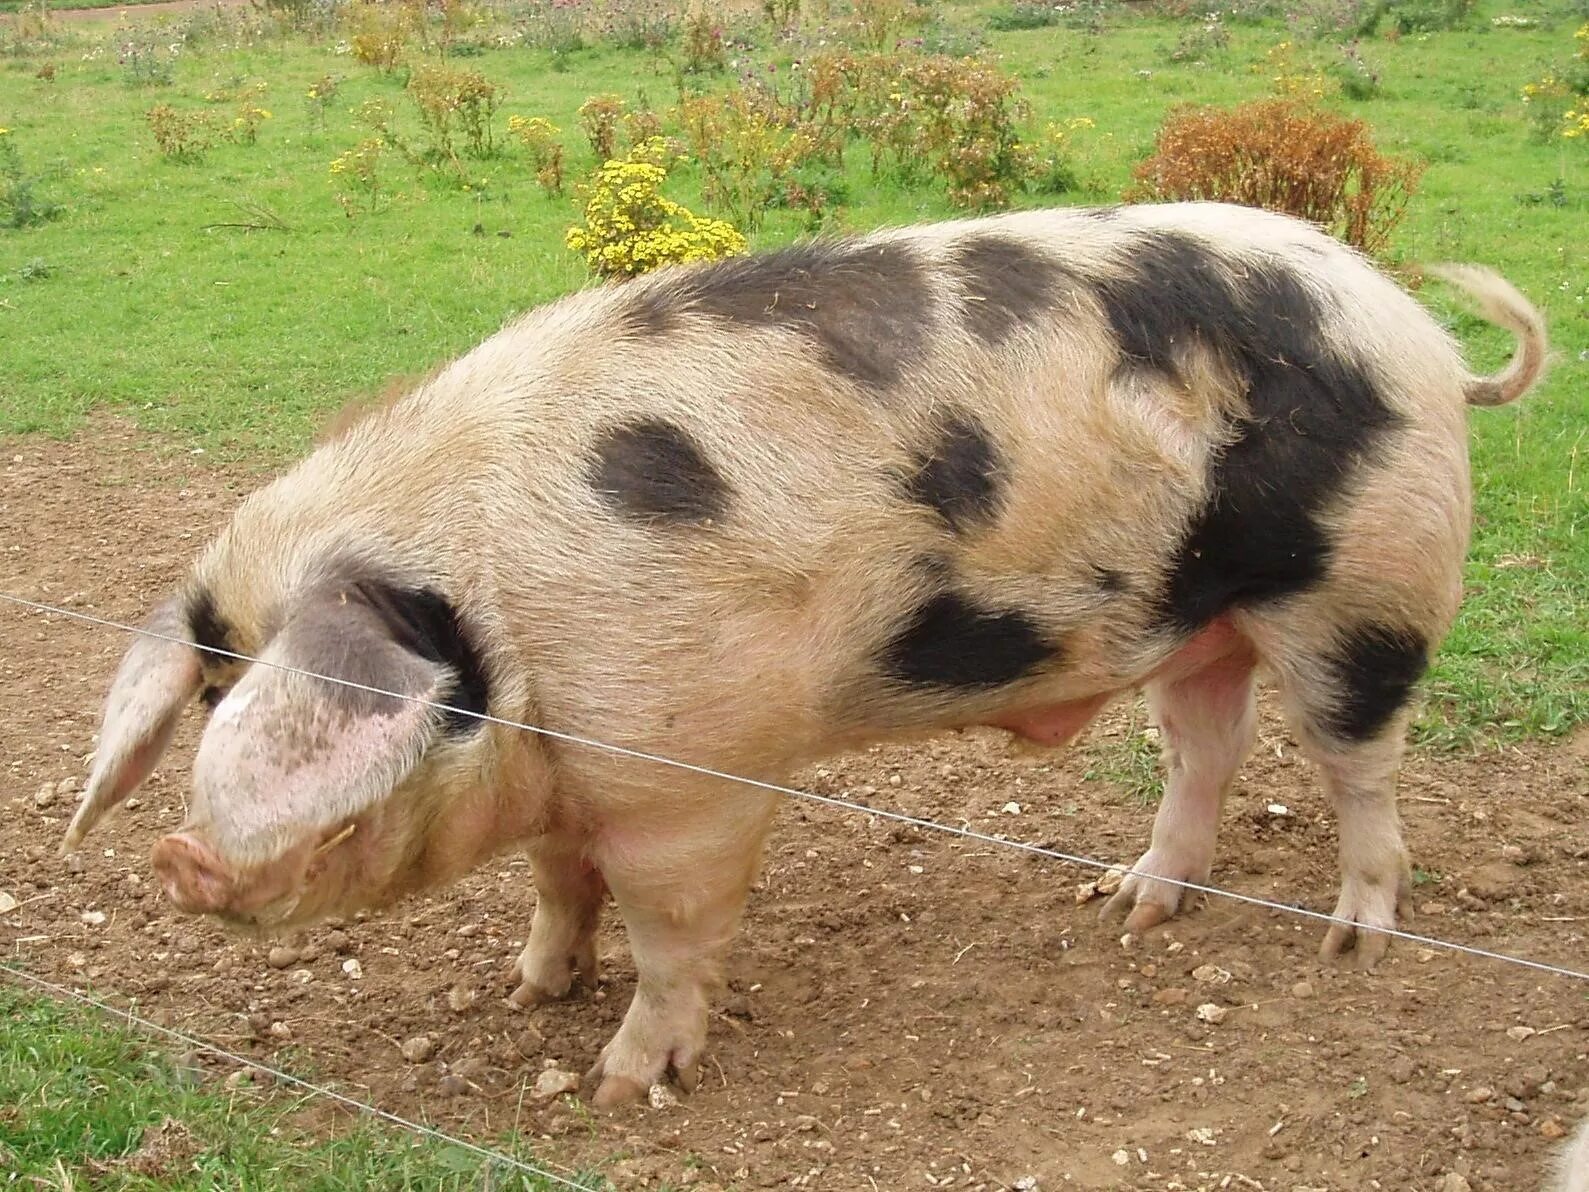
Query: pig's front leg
(562, 947)
(679, 879)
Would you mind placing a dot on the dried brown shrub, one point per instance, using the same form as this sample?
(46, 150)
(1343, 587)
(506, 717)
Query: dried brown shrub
(1283, 155)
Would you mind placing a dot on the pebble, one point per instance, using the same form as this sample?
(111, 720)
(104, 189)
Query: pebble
(7, 903)
(1302, 989)
(554, 1082)
(1401, 1069)
(66, 786)
(460, 997)
(662, 1097)
(44, 796)
(1518, 1033)
(337, 941)
(1211, 1013)
(93, 918)
(1210, 974)
(1121, 1158)
(1110, 881)
(1454, 1182)
(353, 968)
(1552, 1128)
(281, 957)
(1480, 1095)
(280, 1030)
(242, 1078)
(419, 1049)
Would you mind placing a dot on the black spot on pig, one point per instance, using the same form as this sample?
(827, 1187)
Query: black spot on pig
(1375, 667)
(652, 470)
(1313, 415)
(951, 642)
(652, 311)
(425, 623)
(210, 630)
(867, 307)
(961, 476)
(1102, 214)
(1005, 285)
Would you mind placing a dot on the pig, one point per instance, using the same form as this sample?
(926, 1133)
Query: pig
(985, 472)
(1571, 1172)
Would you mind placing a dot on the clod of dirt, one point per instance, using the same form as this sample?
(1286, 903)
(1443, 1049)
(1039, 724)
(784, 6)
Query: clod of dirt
(1211, 1013)
(281, 957)
(460, 997)
(1302, 989)
(554, 1082)
(419, 1049)
(44, 796)
(1454, 1182)
(1174, 996)
(1480, 1095)
(453, 1085)
(1211, 974)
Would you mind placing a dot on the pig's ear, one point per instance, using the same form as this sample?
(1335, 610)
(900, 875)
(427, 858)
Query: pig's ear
(156, 680)
(287, 753)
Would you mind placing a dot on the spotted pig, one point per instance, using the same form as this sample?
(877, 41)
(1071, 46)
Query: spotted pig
(988, 472)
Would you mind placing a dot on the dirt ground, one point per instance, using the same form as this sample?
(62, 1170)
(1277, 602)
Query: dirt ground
(905, 1009)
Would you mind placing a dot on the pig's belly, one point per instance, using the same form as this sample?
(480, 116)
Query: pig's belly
(1058, 724)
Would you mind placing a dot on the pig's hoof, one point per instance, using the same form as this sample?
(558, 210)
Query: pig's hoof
(1368, 905)
(551, 981)
(1150, 894)
(619, 1087)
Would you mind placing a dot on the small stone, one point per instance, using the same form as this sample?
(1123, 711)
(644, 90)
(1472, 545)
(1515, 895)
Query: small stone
(1401, 1069)
(66, 786)
(280, 1030)
(418, 1049)
(337, 941)
(1211, 1013)
(554, 1082)
(1302, 989)
(1026, 1183)
(1210, 974)
(662, 1097)
(281, 957)
(1278, 809)
(1454, 1182)
(1121, 1158)
(460, 997)
(1478, 1096)
(7, 903)
(302, 976)
(241, 1079)
(44, 796)
(93, 918)
(1552, 1128)
(1086, 892)
(1174, 996)
(353, 968)
(1515, 854)
(1011, 808)
(1110, 881)
(1518, 1033)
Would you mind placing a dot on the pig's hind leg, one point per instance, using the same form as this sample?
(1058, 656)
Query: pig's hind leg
(680, 877)
(1207, 721)
(561, 952)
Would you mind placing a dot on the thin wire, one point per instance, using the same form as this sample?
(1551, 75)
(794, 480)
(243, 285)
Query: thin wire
(276, 1073)
(832, 800)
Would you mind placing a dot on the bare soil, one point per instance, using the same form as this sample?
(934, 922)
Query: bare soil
(905, 1009)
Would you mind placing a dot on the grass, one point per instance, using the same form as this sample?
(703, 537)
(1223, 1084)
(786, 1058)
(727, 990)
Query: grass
(85, 1104)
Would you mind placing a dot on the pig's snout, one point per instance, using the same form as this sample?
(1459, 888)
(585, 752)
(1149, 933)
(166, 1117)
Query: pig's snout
(193, 875)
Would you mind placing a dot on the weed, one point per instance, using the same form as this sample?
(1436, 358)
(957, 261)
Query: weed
(636, 24)
(747, 157)
(452, 102)
(1056, 170)
(1291, 77)
(180, 135)
(1203, 42)
(631, 228)
(320, 97)
(36, 269)
(781, 14)
(539, 136)
(147, 57)
(704, 51)
(1356, 77)
(1284, 156)
(877, 24)
(21, 206)
(381, 32)
(356, 175)
(1025, 14)
(598, 118)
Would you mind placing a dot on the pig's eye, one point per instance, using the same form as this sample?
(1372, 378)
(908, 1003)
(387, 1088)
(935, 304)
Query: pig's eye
(212, 695)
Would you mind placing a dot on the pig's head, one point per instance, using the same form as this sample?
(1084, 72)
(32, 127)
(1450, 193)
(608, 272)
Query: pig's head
(309, 798)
